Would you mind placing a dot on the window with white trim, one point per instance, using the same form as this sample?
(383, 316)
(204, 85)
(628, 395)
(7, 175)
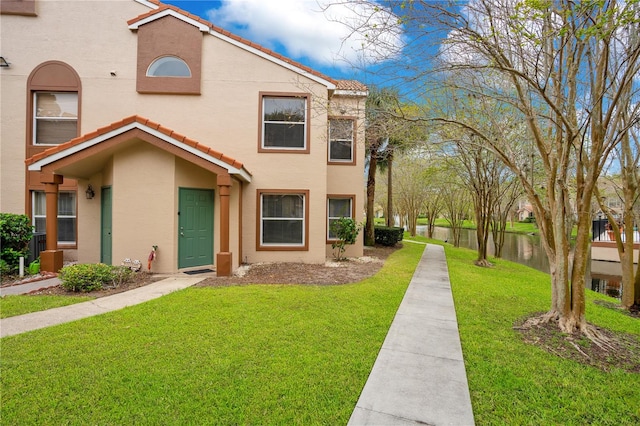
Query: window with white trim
(341, 140)
(168, 66)
(66, 215)
(55, 117)
(284, 122)
(337, 208)
(282, 219)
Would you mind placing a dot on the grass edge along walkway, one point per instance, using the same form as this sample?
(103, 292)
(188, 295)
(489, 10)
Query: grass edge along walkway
(259, 354)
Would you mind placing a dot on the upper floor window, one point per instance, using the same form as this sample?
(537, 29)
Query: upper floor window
(55, 117)
(284, 123)
(341, 146)
(169, 66)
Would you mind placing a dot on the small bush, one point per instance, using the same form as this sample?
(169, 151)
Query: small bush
(347, 230)
(89, 277)
(15, 233)
(388, 235)
(120, 275)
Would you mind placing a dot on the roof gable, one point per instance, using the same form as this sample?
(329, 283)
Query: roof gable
(164, 10)
(172, 139)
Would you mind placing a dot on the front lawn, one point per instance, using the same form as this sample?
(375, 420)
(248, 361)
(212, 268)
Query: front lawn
(267, 354)
(261, 354)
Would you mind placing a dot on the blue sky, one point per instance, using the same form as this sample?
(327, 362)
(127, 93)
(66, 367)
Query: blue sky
(304, 33)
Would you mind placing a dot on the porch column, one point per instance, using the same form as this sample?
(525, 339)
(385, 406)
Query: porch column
(51, 258)
(224, 258)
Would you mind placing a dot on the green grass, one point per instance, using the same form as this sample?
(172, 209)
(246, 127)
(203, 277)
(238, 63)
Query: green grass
(513, 227)
(301, 355)
(234, 355)
(18, 305)
(519, 384)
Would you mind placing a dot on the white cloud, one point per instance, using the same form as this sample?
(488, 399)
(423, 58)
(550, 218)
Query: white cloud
(305, 30)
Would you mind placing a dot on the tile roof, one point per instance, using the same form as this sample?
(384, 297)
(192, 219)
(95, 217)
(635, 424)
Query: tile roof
(353, 85)
(163, 7)
(140, 122)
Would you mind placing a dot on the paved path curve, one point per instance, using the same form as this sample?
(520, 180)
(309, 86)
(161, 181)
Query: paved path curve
(35, 320)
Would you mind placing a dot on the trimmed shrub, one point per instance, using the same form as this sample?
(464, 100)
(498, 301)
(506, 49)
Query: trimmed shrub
(93, 276)
(15, 233)
(388, 235)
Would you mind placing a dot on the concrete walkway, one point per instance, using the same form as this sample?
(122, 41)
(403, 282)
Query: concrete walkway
(35, 320)
(419, 375)
(29, 287)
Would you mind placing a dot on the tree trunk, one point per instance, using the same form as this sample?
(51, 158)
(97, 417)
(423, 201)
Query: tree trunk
(369, 235)
(636, 287)
(390, 219)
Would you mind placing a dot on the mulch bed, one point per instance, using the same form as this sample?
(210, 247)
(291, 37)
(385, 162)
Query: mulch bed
(619, 350)
(329, 273)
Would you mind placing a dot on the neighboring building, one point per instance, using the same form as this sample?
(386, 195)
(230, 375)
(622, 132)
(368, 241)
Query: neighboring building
(524, 210)
(132, 124)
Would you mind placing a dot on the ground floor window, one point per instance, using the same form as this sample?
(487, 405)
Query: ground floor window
(337, 208)
(67, 219)
(283, 219)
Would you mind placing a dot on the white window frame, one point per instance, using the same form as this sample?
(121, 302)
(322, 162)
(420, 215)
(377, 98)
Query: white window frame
(351, 141)
(151, 70)
(43, 215)
(330, 218)
(37, 119)
(304, 123)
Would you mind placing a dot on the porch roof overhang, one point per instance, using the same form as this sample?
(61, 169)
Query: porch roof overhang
(85, 155)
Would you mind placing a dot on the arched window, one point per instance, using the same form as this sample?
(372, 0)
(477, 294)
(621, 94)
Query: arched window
(54, 104)
(168, 66)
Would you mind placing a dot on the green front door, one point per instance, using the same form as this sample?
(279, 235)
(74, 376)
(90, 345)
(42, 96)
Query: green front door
(195, 227)
(105, 225)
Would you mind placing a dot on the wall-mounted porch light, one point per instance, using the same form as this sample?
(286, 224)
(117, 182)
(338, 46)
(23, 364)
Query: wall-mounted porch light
(89, 192)
(4, 63)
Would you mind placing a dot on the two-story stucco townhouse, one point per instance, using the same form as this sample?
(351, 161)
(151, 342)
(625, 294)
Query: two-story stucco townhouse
(128, 124)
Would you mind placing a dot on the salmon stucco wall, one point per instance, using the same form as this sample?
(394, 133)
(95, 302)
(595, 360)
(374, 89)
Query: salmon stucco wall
(225, 116)
(144, 206)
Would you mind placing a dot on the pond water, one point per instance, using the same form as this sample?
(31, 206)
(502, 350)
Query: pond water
(603, 277)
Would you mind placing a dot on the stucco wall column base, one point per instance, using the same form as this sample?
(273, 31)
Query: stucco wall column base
(223, 264)
(51, 260)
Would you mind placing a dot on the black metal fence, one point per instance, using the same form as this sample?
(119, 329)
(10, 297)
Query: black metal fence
(37, 244)
(601, 231)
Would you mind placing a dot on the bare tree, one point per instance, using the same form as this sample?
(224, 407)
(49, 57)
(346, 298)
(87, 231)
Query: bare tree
(509, 190)
(570, 69)
(457, 205)
(434, 187)
(411, 188)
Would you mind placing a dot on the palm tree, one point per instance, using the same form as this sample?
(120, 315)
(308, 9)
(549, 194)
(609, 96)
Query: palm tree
(382, 111)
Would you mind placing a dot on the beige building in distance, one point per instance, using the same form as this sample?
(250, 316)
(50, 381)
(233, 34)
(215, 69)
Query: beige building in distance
(131, 124)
